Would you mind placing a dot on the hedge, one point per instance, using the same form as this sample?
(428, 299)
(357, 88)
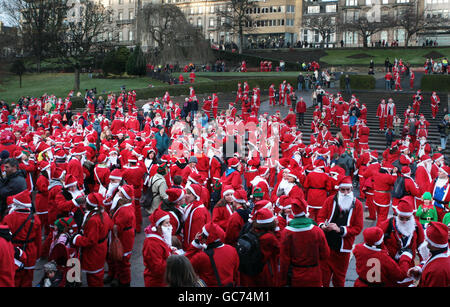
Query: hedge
(221, 86)
(436, 83)
(358, 82)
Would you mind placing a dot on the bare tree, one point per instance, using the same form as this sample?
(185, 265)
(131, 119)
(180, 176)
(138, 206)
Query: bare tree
(236, 17)
(175, 38)
(40, 23)
(323, 24)
(84, 36)
(366, 26)
(413, 22)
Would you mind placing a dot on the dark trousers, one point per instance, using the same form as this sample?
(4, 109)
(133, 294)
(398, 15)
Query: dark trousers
(300, 119)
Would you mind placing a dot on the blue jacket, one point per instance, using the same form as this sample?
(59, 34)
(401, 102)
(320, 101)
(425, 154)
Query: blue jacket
(162, 142)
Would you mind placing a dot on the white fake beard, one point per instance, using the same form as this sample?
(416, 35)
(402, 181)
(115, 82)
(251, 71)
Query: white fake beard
(115, 201)
(167, 234)
(406, 228)
(286, 186)
(113, 160)
(298, 158)
(345, 201)
(440, 182)
(111, 189)
(76, 193)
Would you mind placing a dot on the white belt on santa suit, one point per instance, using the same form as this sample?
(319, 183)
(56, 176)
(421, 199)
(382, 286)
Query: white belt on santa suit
(44, 212)
(379, 205)
(314, 207)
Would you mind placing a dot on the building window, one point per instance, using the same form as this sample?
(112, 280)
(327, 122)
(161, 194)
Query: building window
(200, 9)
(290, 9)
(402, 1)
(120, 1)
(199, 22)
(330, 8)
(120, 36)
(130, 35)
(211, 9)
(350, 2)
(120, 16)
(211, 22)
(131, 15)
(368, 2)
(313, 9)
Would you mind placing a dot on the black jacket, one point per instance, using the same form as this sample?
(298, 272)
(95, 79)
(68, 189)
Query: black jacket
(11, 185)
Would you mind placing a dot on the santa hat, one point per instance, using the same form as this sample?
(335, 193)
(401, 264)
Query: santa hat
(437, 156)
(406, 170)
(263, 216)
(213, 232)
(101, 158)
(78, 150)
(445, 169)
(57, 172)
(298, 206)
(346, 182)
(436, 235)
(132, 159)
(233, 162)
(405, 208)
(319, 163)
(195, 178)
(240, 196)
(116, 174)
(60, 153)
(373, 236)
(22, 199)
(127, 191)
(293, 173)
(94, 199)
(425, 158)
(263, 171)
(196, 190)
(42, 147)
(175, 194)
(387, 165)
(228, 189)
(70, 181)
(43, 165)
(260, 205)
(158, 216)
(162, 168)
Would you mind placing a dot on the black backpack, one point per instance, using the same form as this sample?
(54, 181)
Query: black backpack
(399, 187)
(250, 255)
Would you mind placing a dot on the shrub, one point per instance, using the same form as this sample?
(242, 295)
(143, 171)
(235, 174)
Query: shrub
(358, 82)
(439, 83)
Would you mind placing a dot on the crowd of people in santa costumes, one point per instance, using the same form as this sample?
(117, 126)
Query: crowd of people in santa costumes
(87, 194)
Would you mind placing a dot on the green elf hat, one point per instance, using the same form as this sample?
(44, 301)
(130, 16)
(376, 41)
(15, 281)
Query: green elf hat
(446, 219)
(257, 192)
(427, 196)
(162, 168)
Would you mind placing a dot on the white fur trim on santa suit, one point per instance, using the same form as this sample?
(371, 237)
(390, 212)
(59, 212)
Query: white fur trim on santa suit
(15, 201)
(407, 214)
(228, 191)
(269, 220)
(70, 184)
(205, 232)
(115, 177)
(162, 219)
(88, 201)
(435, 244)
(181, 196)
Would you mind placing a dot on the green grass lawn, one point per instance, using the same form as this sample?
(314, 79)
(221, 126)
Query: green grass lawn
(59, 84)
(414, 56)
(241, 74)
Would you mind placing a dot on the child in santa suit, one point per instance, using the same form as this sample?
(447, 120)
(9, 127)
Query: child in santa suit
(435, 101)
(426, 212)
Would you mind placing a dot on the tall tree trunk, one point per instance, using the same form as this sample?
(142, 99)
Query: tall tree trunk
(77, 79)
(20, 80)
(241, 39)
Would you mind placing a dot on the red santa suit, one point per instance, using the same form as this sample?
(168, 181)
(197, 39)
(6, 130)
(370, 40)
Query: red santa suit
(350, 223)
(134, 175)
(123, 218)
(225, 257)
(94, 241)
(436, 269)
(316, 186)
(391, 112)
(303, 247)
(382, 185)
(382, 114)
(422, 128)
(366, 253)
(21, 214)
(195, 216)
(7, 261)
(155, 252)
(435, 101)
